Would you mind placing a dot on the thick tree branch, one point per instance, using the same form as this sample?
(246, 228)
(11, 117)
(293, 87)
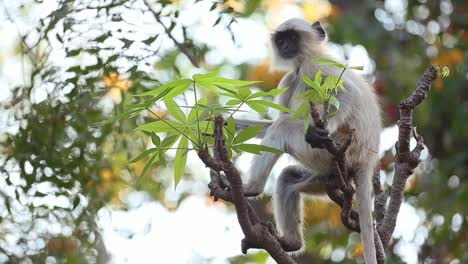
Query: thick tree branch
(406, 160)
(257, 235)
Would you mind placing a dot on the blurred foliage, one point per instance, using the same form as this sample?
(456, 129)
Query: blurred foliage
(57, 170)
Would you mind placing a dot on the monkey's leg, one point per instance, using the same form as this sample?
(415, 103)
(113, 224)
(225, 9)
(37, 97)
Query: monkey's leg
(288, 206)
(288, 136)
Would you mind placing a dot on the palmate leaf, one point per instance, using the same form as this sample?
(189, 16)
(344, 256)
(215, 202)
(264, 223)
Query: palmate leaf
(244, 92)
(169, 140)
(210, 81)
(162, 126)
(335, 103)
(318, 77)
(270, 104)
(152, 159)
(180, 160)
(128, 114)
(175, 110)
(230, 129)
(171, 89)
(247, 134)
(257, 107)
(192, 116)
(143, 155)
(217, 108)
(302, 110)
(329, 62)
(315, 86)
(272, 92)
(234, 102)
(155, 139)
(256, 149)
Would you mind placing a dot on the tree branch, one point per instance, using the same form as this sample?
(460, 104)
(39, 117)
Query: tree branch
(179, 45)
(257, 235)
(406, 160)
(340, 190)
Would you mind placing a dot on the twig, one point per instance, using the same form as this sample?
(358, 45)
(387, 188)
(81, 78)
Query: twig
(179, 45)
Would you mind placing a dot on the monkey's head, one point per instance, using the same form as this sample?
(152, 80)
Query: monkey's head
(295, 41)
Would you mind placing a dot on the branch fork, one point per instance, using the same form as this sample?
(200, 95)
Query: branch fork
(339, 187)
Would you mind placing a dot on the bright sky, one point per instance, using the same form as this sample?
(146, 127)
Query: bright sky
(198, 231)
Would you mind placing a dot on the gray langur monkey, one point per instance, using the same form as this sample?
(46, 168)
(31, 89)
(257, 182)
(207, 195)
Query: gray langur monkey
(295, 44)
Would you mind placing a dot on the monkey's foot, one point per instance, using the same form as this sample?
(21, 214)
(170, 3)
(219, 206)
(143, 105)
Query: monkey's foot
(290, 245)
(317, 137)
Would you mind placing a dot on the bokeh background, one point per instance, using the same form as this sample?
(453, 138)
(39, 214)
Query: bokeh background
(68, 193)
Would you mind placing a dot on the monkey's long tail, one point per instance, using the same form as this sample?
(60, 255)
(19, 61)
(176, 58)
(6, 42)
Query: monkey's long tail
(364, 200)
(244, 123)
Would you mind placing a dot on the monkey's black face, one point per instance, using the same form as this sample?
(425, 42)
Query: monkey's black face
(287, 42)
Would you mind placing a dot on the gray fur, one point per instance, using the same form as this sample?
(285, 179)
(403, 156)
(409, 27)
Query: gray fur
(359, 110)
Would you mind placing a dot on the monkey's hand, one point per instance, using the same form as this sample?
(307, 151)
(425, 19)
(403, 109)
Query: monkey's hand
(317, 137)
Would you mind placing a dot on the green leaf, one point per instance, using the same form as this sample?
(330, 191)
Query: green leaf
(210, 81)
(230, 129)
(174, 88)
(143, 155)
(301, 111)
(161, 126)
(256, 149)
(311, 83)
(151, 160)
(244, 92)
(71, 53)
(175, 110)
(330, 83)
(318, 77)
(155, 139)
(180, 160)
(169, 140)
(271, 105)
(257, 107)
(247, 134)
(272, 92)
(117, 117)
(233, 102)
(193, 112)
(329, 62)
(335, 103)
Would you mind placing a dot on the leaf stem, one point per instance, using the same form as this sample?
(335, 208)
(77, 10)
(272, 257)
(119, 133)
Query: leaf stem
(196, 110)
(173, 127)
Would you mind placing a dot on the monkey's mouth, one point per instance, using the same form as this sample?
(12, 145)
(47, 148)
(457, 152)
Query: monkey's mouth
(287, 53)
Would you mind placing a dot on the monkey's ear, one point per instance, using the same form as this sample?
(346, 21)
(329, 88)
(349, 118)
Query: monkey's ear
(319, 29)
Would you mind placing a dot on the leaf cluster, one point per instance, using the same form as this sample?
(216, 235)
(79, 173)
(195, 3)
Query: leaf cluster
(194, 130)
